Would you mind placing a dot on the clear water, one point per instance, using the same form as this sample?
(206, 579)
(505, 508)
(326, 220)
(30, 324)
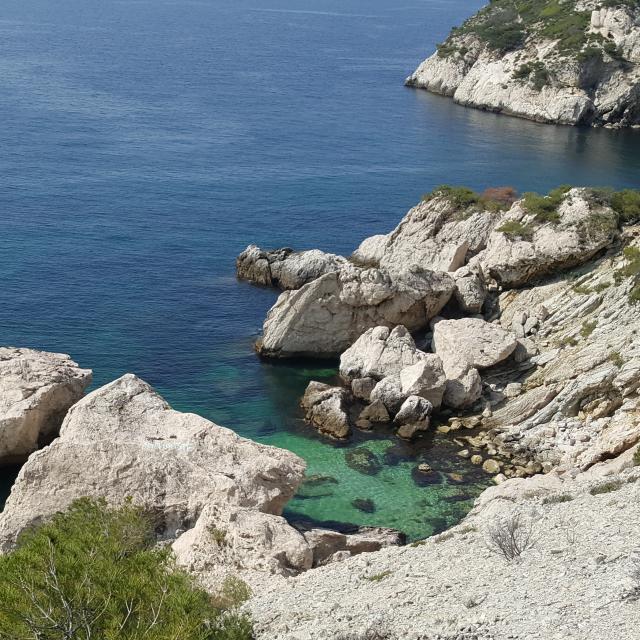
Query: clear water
(146, 142)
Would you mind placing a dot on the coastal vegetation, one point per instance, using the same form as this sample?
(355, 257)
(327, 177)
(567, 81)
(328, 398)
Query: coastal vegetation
(97, 572)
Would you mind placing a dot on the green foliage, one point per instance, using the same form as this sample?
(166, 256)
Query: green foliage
(536, 72)
(557, 498)
(626, 204)
(607, 487)
(466, 200)
(616, 359)
(515, 228)
(636, 457)
(219, 535)
(378, 577)
(631, 270)
(545, 208)
(96, 572)
(446, 49)
(588, 328)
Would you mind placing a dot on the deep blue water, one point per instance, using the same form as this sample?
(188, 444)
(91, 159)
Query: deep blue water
(144, 143)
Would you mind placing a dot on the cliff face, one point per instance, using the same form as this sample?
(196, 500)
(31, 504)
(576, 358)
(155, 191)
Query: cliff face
(568, 62)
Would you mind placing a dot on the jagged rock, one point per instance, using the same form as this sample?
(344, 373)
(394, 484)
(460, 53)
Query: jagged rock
(285, 268)
(584, 227)
(433, 236)
(540, 79)
(463, 391)
(389, 392)
(124, 440)
(326, 316)
(470, 290)
(326, 543)
(379, 352)
(470, 343)
(326, 409)
(425, 378)
(36, 391)
(375, 413)
(362, 388)
(413, 416)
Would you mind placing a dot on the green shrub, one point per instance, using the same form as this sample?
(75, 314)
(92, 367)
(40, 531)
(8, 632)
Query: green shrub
(515, 228)
(607, 487)
(545, 208)
(588, 328)
(378, 577)
(96, 572)
(616, 359)
(466, 200)
(636, 457)
(626, 204)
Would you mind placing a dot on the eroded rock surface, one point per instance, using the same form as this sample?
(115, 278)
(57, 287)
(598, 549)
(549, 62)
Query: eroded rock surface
(36, 390)
(285, 268)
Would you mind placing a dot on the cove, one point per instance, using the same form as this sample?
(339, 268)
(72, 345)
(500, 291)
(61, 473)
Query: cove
(146, 143)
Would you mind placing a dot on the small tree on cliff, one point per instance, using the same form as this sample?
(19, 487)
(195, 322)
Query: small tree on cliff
(97, 573)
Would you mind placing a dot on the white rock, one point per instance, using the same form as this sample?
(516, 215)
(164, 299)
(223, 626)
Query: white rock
(471, 343)
(326, 409)
(36, 391)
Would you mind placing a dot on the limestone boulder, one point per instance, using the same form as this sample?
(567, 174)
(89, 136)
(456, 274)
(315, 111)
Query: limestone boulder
(413, 416)
(379, 352)
(326, 316)
(471, 343)
(326, 408)
(463, 391)
(36, 391)
(285, 268)
(425, 378)
(216, 496)
(470, 292)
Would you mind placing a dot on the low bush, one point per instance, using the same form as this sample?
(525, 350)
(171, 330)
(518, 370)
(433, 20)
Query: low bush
(515, 228)
(588, 328)
(511, 536)
(545, 208)
(97, 572)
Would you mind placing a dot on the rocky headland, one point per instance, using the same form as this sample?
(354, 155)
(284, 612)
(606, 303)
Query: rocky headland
(566, 62)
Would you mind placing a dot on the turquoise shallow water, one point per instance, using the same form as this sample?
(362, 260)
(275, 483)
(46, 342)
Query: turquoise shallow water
(146, 142)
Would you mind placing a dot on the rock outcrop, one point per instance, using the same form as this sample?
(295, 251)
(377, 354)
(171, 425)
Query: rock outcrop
(573, 63)
(326, 316)
(36, 391)
(326, 408)
(285, 268)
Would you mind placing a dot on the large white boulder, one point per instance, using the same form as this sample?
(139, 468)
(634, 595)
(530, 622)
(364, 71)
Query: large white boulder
(36, 391)
(471, 343)
(379, 352)
(326, 316)
(217, 496)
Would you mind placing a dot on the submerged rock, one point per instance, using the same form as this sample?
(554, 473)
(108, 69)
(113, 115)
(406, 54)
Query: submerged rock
(36, 391)
(366, 505)
(285, 268)
(363, 460)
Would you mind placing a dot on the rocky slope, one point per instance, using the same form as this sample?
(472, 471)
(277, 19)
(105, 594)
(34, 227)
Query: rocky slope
(560, 61)
(36, 390)
(578, 578)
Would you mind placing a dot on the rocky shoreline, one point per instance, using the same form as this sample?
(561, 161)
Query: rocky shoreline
(508, 324)
(574, 63)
